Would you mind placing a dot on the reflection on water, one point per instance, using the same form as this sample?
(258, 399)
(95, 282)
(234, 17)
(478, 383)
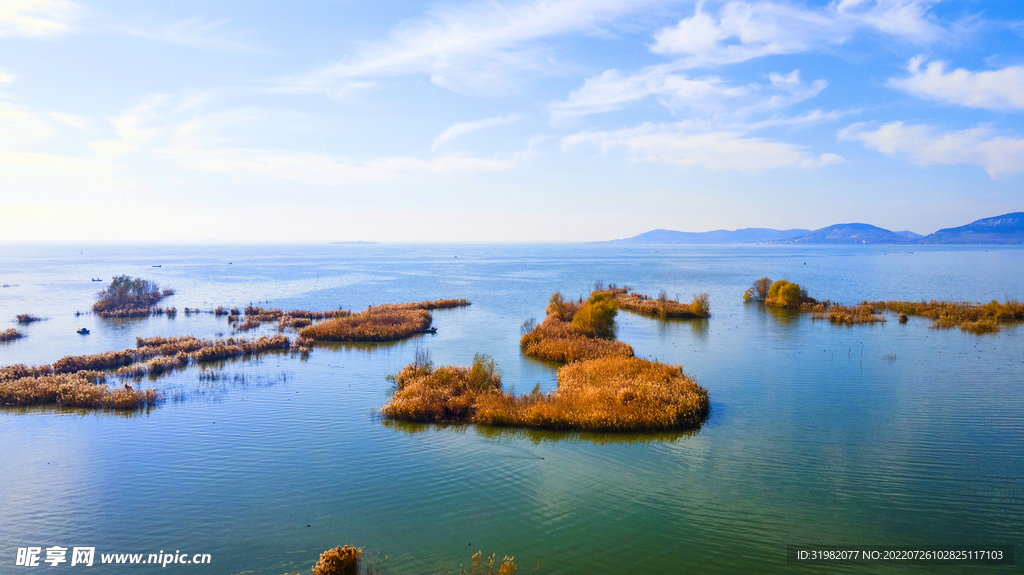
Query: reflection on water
(536, 436)
(814, 436)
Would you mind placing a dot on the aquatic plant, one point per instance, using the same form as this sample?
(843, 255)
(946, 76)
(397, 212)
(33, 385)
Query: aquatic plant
(73, 390)
(27, 318)
(385, 322)
(10, 334)
(128, 297)
(575, 331)
(604, 394)
(662, 306)
(339, 561)
(969, 317)
(478, 567)
(849, 315)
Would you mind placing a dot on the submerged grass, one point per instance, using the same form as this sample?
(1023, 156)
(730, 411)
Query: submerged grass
(387, 322)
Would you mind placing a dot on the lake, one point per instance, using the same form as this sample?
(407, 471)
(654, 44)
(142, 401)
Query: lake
(818, 434)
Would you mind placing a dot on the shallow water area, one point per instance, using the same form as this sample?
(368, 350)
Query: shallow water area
(882, 434)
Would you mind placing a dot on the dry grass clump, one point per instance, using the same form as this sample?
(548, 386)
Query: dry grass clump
(575, 331)
(28, 318)
(758, 291)
(479, 567)
(73, 390)
(605, 394)
(969, 317)
(78, 380)
(438, 304)
(664, 307)
(849, 315)
(129, 297)
(10, 334)
(386, 322)
(339, 561)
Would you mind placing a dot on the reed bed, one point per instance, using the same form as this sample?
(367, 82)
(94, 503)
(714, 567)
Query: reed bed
(26, 318)
(10, 334)
(65, 381)
(606, 394)
(74, 390)
(969, 317)
(129, 297)
(385, 322)
(849, 315)
(339, 561)
(575, 331)
(662, 306)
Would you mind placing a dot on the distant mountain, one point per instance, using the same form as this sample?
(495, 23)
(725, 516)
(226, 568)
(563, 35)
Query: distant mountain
(744, 236)
(1004, 229)
(852, 234)
(909, 234)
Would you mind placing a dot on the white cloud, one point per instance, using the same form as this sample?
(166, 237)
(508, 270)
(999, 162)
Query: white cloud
(36, 18)
(321, 169)
(193, 32)
(1001, 89)
(925, 145)
(72, 120)
(463, 128)
(743, 31)
(20, 128)
(681, 144)
(134, 128)
(6, 77)
(613, 90)
(468, 49)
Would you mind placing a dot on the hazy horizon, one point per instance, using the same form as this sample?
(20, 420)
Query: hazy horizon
(528, 120)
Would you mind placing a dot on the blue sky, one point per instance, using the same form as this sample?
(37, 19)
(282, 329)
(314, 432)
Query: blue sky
(530, 120)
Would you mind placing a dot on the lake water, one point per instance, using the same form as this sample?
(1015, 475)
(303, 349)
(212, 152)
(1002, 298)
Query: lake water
(814, 437)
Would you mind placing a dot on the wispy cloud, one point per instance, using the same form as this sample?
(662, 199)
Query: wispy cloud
(614, 90)
(134, 127)
(1001, 89)
(744, 31)
(926, 145)
(6, 77)
(192, 32)
(463, 128)
(472, 48)
(322, 169)
(36, 18)
(683, 144)
(20, 127)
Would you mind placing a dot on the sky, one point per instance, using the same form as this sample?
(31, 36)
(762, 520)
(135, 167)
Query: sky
(527, 120)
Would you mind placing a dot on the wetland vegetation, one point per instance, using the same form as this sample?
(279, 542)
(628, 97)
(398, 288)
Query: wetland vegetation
(602, 387)
(129, 297)
(661, 306)
(976, 318)
(386, 322)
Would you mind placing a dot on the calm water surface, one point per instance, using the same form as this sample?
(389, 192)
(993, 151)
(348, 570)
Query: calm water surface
(815, 436)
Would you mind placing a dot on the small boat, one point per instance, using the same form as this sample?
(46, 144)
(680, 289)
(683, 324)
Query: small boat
(430, 330)
(96, 279)
(83, 331)
(157, 266)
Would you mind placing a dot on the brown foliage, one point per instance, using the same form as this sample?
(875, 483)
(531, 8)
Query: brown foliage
(972, 318)
(561, 338)
(605, 394)
(10, 334)
(73, 390)
(27, 318)
(339, 561)
(128, 297)
(663, 307)
(849, 315)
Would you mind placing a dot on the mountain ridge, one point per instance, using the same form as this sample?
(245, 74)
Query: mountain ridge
(1003, 229)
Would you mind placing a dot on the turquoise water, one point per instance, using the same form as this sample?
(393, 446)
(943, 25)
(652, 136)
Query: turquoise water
(814, 437)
